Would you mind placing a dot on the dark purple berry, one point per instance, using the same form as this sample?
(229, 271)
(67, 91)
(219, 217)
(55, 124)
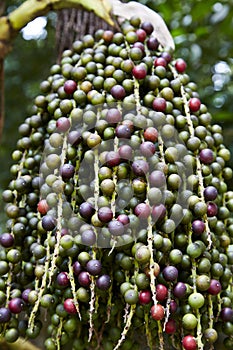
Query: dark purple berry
(116, 228)
(148, 27)
(118, 92)
(63, 279)
(77, 268)
(103, 282)
(206, 156)
(152, 44)
(84, 279)
(210, 193)
(170, 273)
(123, 131)
(215, 287)
(48, 223)
(141, 34)
(226, 314)
(140, 167)
(16, 305)
(25, 294)
(67, 171)
(105, 214)
(179, 290)
(167, 56)
(86, 210)
(140, 46)
(94, 267)
(70, 86)
(5, 315)
(198, 227)
(212, 209)
(7, 240)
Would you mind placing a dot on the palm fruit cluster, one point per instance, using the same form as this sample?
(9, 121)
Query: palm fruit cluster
(120, 228)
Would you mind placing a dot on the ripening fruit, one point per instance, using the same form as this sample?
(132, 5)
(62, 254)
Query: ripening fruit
(157, 312)
(189, 342)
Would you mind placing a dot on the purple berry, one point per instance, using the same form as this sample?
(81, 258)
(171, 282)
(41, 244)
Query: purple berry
(88, 237)
(139, 72)
(206, 156)
(113, 116)
(142, 210)
(123, 131)
(158, 212)
(63, 279)
(152, 44)
(5, 315)
(198, 227)
(116, 228)
(77, 268)
(157, 179)
(105, 214)
(7, 240)
(63, 124)
(179, 290)
(94, 267)
(16, 305)
(125, 152)
(226, 314)
(67, 171)
(215, 287)
(170, 273)
(74, 137)
(118, 92)
(212, 209)
(159, 104)
(140, 167)
(210, 193)
(103, 282)
(147, 149)
(48, 223)
(112, 159)
(84, 279)
(70, 86)
(86, 210)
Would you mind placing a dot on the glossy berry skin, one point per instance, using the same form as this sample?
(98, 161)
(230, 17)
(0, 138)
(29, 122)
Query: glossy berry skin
(141, 34)
(189, 343)
(69, 306)
(180, 65)
(210, 193)
(48, 223)
(212, 209)
(112, 159)
(157, 312)
(116, 228)
(160, 61)
(215, 287)
(113, 116)
(148, 27)
(7, 240)
(70, 86)
(16, 305)
(152, 44)
(84, 279)
(226, 314)
(145, 297)
(103, 282)
(161, 292)
(179, 290)
(5, 315)
(139, 72)
(105, 214)
(159, 104)
(140, 167)
(124, 219)
(67, 171)
(198, 227)
(63, 279)
(206, 156)
(170, 273)
(94, 267)
(118, 92)
(42, 206)
(194, 104)
(86, 210)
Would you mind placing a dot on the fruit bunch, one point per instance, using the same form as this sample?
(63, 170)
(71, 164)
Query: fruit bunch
(120, 220)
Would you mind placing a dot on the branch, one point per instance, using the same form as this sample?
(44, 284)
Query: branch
(30, 9)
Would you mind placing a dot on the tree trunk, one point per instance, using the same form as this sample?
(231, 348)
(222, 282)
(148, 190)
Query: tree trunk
(73, 24)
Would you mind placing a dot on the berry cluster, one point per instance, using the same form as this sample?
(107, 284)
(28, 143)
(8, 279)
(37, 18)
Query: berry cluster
(119, 217)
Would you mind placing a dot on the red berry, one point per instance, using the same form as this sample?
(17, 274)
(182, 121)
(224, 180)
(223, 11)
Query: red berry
(42, 206)
(180, 65)
(139, 72)
(69, 306)
(189, 342)
(159, 104)
(212, 209)
(170, 326)
(161, 292)
(16, 305)
(70, 86)
(157, 312)
(151, 134)
(145, 297)
(215, 287)
(160, 61)
(194, 104)
(141, 34)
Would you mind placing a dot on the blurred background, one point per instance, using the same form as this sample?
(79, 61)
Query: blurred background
(203, 34)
